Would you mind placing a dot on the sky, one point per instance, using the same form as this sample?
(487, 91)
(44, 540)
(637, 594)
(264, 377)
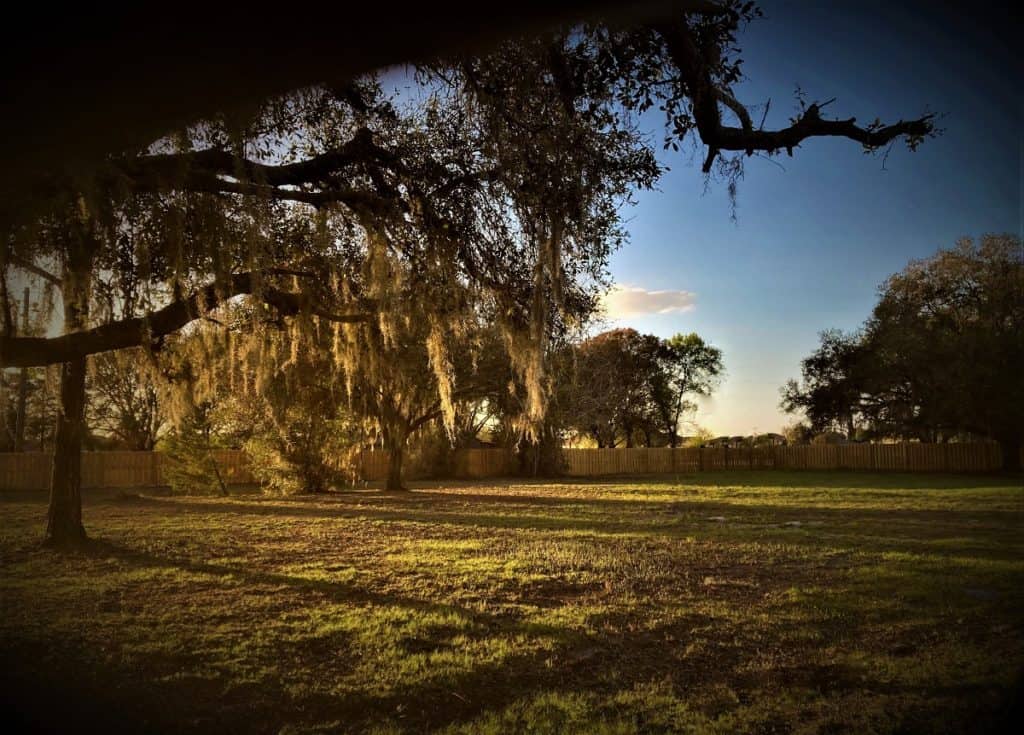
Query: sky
(815, 235)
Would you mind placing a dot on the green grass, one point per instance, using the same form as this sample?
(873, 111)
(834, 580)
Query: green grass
(823, 603)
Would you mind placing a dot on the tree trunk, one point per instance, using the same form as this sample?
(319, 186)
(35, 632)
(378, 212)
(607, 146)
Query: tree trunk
(396, 450)
(1009, 444)
(64, 520)
(64, 525)
(19, 421)
(221, 485)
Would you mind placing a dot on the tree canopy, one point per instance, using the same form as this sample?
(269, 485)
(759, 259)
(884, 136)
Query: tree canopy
(940, 356)
(492, 193)
(621, 387)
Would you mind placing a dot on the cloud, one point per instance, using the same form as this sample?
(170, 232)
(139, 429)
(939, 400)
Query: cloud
(623, 301)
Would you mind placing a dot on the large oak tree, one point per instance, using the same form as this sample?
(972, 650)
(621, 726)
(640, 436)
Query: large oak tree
(505, 187)
(940, 356)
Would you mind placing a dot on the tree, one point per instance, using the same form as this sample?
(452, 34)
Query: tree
(189, 463)
(940, 356)
(616, 373)
(949, 335)
(125, 399)
(629, 386)
(689, 366)
(833, 385)
(797, 432)
(27, 409)
(505, 186)
(395, 392)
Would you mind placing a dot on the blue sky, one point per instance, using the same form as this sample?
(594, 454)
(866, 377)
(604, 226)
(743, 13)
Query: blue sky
(812, 242)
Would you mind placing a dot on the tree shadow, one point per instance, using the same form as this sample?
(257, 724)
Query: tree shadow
(797, 479)
(869, 529)
(615, 652)
(613, 655)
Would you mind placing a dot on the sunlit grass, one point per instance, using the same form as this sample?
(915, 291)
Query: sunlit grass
(833, 602)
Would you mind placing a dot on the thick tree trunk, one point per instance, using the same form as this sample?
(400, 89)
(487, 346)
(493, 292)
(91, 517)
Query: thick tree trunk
(1009, 444)
(64, 525)
(64, 520)
(396, 452)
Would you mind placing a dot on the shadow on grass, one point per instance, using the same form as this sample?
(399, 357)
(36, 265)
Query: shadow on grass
(796, 479)
(940, 532)
(75, 691)
(57, 685)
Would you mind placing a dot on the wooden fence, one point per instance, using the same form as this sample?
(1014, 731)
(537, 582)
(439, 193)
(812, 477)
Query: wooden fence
(467, 464)
(31, 470)
(882, 457)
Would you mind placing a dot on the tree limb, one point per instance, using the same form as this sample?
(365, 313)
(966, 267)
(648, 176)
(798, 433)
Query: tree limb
(135, 332)
(705, 98)
(168, 170)
(34, 269)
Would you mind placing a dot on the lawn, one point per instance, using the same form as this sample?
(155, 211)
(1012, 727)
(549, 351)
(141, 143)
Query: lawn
(715, 603)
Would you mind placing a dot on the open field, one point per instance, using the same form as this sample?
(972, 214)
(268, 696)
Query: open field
(722, 602)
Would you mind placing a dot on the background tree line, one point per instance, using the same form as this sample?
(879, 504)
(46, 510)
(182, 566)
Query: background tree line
(305, 429)
(940, 358)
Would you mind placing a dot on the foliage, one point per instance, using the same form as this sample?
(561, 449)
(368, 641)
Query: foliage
(700, 437)
(125, 399)
(940, 356)
(300, 452)
(627, 387)
(689, 366)
(188, 461)
(27, 395)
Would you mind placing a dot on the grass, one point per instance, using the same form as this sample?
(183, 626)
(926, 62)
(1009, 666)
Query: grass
(716, 603)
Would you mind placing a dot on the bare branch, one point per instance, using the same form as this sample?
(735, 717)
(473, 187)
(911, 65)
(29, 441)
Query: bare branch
(705, 98)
